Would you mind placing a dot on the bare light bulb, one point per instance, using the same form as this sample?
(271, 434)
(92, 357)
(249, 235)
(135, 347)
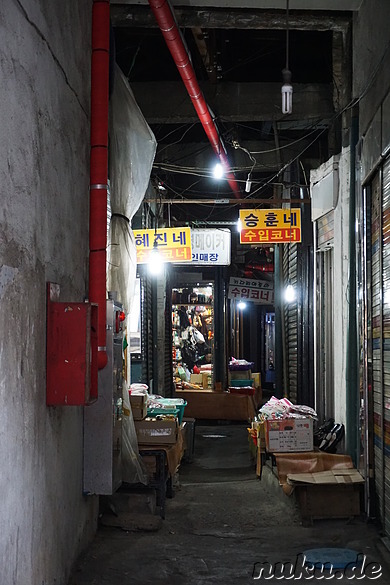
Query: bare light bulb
(287, 91)
(241, 305)
(289, 294)
(155, 261)
(248, 184)
(218, 171)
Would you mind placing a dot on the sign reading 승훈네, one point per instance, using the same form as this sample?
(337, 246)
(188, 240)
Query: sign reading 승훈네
(266, 226)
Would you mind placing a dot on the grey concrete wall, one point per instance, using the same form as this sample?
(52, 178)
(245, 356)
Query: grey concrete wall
(44, 117)
(371, 58)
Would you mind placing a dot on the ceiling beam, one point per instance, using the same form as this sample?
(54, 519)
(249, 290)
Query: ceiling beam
(126, 15)
(168, 103)
(223, 202)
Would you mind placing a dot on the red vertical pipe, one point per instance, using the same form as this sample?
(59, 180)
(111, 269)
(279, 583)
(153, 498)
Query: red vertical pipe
(166, 21)
(99, 167)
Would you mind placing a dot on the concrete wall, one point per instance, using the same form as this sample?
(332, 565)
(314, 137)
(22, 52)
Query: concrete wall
(44, 114)
(371, 58)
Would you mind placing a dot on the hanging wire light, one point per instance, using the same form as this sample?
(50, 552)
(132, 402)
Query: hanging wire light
(287, 89)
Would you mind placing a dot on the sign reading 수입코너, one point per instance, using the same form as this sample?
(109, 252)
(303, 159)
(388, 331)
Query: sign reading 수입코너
(256, 291)
(174, 244)
(265, 226)
(211, 246)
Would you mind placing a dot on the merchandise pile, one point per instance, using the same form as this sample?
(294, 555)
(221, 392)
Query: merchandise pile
(240, 377)
(282, 408)
(158, 406)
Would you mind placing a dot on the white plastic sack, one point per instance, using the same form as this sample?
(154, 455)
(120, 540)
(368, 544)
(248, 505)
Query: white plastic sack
(133, 469)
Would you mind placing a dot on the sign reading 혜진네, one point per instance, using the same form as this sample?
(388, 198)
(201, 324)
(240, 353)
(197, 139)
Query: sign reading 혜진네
(174, 244)
(270, 226)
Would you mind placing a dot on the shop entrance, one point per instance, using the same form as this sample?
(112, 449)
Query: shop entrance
(193, 351)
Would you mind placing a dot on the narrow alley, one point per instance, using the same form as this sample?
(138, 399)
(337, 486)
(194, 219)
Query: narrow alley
(220, 523)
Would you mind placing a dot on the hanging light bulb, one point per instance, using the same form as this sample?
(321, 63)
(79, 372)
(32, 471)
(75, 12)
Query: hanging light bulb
(287, 89)
(248, 184)
(241, 305)
(155, 261)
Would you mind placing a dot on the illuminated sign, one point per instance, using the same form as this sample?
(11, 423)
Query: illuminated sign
(211, 247)
(174, 244)
(270, 226)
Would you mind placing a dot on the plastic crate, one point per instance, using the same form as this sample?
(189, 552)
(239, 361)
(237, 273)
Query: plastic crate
(156, 411)
(178, 403)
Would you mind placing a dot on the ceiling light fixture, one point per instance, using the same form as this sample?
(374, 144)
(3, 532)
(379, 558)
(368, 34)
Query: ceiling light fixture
(287, 89)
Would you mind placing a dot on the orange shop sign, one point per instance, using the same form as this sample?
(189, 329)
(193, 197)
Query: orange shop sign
(270, 226)
(174, 244)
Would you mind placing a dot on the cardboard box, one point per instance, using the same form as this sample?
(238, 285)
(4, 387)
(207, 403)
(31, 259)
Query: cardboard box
(206, 380)
(328, 500)
(256, 379)
(157, 432)
(138, 400)
(139, 413)
(240, 375)
(196, 379)
(289, 435)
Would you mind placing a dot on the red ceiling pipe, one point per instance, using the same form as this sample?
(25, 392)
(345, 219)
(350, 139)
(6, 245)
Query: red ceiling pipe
(99, 167)
(166, 21)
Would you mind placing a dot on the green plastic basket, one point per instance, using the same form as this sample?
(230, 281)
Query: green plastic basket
(240, 383)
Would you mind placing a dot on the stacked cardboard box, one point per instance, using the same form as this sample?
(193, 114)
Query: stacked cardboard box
(157, 432)
(138, 404)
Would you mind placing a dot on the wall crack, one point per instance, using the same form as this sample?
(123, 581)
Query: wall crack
(55, 58)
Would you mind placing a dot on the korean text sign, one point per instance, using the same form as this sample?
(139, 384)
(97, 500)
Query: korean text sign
(239, 292)
(174, 244)
(270, 226)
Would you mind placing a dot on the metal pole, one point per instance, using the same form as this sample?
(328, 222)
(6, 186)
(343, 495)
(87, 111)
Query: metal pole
(352, 386)
(278, 356)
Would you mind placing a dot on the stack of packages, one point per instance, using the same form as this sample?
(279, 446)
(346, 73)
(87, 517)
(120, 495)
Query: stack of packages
(240, 377)
(156, 419)
(288, 427)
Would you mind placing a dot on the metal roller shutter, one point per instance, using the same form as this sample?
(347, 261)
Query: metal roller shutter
(380, 336)
(146, 329)
(290, 275)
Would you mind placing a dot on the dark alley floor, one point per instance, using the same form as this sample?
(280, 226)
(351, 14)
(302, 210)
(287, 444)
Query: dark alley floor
(221, 522)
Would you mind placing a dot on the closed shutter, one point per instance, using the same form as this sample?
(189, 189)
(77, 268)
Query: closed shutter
(290, 276)
(380, 336)
(146, 329)
(325, 231)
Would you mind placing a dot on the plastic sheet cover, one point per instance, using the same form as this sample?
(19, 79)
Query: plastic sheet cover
(132, 148)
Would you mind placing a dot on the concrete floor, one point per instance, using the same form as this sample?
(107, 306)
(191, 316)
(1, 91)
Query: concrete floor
(221, 522)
